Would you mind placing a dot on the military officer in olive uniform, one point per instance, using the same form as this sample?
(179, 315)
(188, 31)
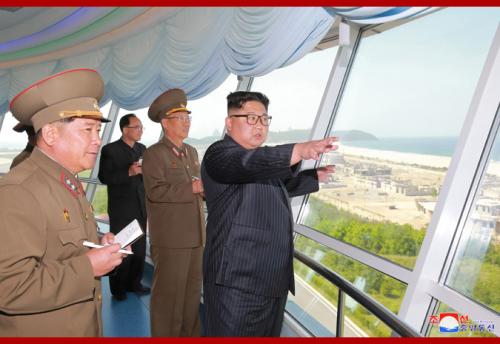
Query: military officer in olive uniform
(26, 152)
(174, 201)
(49, 281)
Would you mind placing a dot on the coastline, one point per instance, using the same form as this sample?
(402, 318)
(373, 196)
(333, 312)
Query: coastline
(423, 160)
(434, 161)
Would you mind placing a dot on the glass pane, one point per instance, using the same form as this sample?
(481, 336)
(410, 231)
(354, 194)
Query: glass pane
(105, 111)
(151, 130)
(352, 224)
(11, 142)
(100, 204)
(476, 267)
(403, 107)
(208, 114)
(447, 322)
(359, 322)
(84, 174)
(314, 305)
(386, 290)
(295, 93)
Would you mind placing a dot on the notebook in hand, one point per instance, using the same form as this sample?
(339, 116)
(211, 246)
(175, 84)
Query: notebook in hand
(129, 234)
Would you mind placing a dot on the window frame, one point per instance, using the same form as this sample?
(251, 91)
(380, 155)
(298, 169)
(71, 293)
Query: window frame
(425, 284)
(426, 281)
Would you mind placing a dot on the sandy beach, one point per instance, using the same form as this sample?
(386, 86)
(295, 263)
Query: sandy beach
(424, 160)
(354, 193)
(392, 186)
(434, 161)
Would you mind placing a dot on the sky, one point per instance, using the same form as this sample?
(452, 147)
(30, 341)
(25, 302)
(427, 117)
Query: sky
(418, 79)
(413, 80)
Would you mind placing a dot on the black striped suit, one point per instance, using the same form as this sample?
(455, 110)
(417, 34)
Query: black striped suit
(248, 259)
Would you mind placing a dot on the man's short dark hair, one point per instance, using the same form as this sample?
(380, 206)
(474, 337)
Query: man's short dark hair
(236, 100)
(125, 120)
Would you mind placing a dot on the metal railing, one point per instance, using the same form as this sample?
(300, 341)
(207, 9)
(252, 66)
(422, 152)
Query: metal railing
(346, 287)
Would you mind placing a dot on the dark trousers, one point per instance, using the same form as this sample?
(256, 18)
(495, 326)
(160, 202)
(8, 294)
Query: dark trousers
(231, 312)
(127, 276)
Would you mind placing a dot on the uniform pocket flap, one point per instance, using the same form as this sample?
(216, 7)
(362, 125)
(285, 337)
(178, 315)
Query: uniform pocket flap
(73, 236)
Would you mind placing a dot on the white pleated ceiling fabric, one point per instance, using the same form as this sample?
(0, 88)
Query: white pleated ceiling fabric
(141, 52)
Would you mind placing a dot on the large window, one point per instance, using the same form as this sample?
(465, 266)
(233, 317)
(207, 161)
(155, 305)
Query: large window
(100, 204)
(315, 310)
(360, 322)
(476, 266)
(151, 130)
(295, 94)
(208, 115)
(398, 122)
(447, 322)
(11, 142)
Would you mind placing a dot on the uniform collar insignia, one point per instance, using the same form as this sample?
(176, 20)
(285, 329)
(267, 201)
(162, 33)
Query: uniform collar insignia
(178, 152)
(70, 185)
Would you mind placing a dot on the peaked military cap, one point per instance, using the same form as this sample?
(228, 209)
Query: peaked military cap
(167, 103)
(19, 127)
(72, 93)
